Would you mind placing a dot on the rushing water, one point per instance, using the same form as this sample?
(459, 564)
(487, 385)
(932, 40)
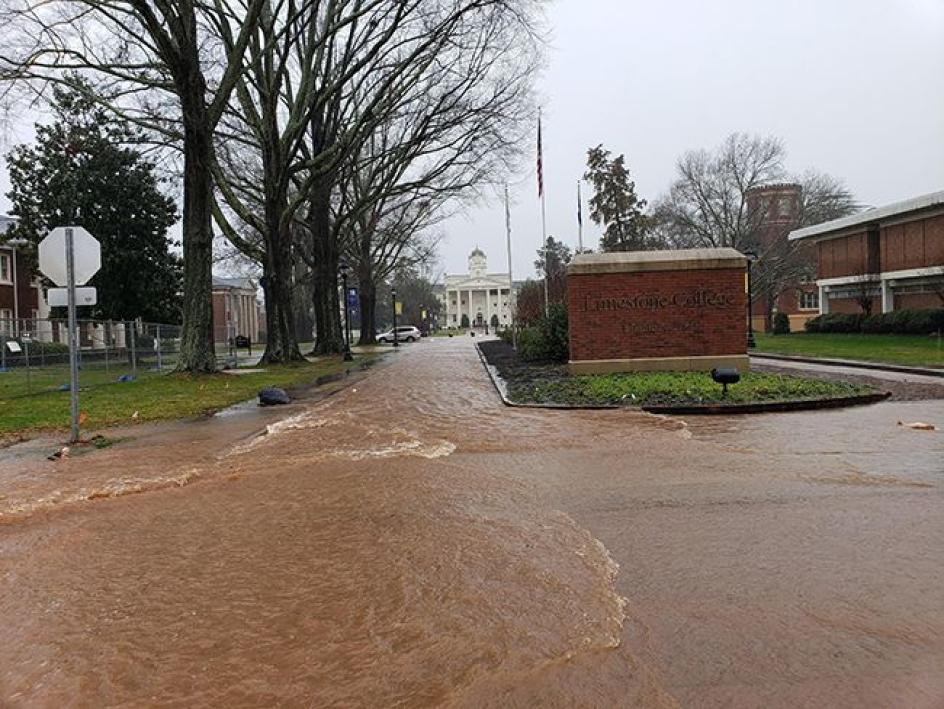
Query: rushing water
(410, 542)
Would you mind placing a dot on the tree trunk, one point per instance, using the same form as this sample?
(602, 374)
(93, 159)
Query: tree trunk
(327, 306)
(196, 340)
(367, 292)
(281, 340)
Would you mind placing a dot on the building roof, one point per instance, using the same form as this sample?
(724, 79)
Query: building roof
(871, 216)
(674, 260)
(233, 283)
(477, 252)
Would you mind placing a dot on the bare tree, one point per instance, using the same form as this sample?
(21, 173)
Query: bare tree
(155, 56)
(317, 86)
(709, 205)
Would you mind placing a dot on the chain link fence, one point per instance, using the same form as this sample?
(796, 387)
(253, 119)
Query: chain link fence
(34, 354)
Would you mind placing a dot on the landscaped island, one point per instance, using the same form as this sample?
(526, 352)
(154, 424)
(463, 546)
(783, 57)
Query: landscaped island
(532, 383)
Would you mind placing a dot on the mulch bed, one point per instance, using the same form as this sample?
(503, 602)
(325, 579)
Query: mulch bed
(503, 357)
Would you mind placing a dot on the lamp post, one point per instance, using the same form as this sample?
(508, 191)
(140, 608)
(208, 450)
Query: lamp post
(347, 316)
(393, 297)
(751, 258)
(14, 243)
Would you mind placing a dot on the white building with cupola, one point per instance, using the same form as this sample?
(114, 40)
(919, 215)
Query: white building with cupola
(482, 297)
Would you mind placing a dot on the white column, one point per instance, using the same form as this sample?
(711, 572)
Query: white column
(888, 297)
(823, 301)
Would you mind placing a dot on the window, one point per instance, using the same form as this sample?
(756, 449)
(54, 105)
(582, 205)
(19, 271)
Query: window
(786, 206)
(809, 300)
(6, 321)
(6, 274)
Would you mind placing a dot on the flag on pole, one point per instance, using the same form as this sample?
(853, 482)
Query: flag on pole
(540, 160)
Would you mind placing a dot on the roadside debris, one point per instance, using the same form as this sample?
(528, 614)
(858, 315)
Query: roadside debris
(273, 396)
(61, 453)
(919, 426)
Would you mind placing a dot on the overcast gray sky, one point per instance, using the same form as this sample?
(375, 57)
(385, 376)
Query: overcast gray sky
(855, 88)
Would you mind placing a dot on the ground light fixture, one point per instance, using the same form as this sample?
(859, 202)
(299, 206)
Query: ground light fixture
(725, 376)
(751, 256)
(393, 299)
(343, 268)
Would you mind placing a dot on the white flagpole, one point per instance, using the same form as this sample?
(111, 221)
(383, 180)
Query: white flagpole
(579, 219)
(543, 212)
(511, 282)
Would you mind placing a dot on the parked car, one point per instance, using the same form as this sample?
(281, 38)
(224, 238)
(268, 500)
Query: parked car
(407, 333)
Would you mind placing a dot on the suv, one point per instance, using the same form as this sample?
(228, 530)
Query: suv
(407, 333)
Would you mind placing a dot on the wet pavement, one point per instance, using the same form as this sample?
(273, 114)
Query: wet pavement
(412, 542)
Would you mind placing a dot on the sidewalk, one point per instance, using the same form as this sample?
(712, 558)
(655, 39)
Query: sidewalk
(850, 364)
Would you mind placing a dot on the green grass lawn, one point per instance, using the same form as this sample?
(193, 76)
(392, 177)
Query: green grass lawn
(154, 397)
(654, 388)
(917, 350)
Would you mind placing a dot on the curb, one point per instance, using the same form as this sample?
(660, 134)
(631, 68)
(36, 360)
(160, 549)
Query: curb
(853, 364)
(502, 390)
(770, 407)
(694, 409)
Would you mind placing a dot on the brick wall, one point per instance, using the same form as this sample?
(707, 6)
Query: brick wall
(914, 244)
(844, 256)
(687, 313)
(28, 296)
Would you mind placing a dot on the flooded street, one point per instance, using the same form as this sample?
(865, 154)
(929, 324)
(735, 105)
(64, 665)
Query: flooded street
(411, 542)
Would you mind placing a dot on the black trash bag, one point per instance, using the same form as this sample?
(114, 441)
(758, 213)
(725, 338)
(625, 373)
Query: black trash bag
(273, 396)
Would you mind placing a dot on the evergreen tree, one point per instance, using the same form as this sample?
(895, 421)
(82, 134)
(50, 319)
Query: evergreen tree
(84, 170)
(614, 204)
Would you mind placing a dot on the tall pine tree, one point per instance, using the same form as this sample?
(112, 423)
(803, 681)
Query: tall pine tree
(85, 169)
(614, 204)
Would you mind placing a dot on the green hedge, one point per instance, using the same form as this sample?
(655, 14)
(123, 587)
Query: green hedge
(898, 322)
(781, 324)
(548, 340)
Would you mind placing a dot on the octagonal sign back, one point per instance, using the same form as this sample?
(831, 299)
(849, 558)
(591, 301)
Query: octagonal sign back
(52, 255)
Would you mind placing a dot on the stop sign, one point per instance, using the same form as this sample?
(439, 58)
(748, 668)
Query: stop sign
(52, 255)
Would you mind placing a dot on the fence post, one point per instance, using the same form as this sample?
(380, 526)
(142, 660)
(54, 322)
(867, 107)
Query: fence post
(106, 335)
(157, 346)
(26, 344)
(134, 354)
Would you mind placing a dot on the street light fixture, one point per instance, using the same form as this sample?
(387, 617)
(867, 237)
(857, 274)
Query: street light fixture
(751, 256)
(343, 267)
(393, 297)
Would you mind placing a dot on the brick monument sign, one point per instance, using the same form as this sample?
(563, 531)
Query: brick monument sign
(657, 310)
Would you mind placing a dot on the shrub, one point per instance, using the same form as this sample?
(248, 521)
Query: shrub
(836, 322)
(506, 335)
(898, 322)
(781, 324)
(554, 330)
(37, 347)
(465, 320)
(531, 345)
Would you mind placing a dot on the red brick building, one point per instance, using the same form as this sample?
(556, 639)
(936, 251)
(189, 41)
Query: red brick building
(883, 259)
(27, 304)
(775, 210)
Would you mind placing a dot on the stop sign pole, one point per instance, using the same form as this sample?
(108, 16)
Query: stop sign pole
(56, 250)
(73, 339)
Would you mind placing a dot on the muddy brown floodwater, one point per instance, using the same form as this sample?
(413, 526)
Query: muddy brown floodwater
(410, 542)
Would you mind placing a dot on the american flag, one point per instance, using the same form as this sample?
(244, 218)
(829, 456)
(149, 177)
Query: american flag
(540, 161)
